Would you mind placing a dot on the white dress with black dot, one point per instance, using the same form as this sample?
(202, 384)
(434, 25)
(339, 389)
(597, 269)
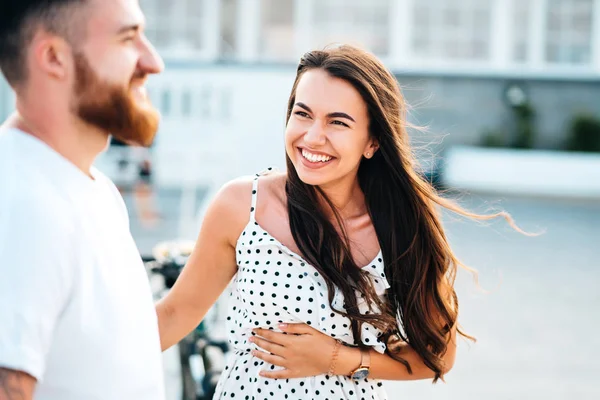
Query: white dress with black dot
(273, 285)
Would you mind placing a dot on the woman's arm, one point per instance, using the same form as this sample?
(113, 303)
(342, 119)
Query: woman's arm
(211, 266)
(303, 351)
(383, 366)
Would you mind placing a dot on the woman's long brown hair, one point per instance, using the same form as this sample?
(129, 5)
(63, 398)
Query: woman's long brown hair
(421, 306)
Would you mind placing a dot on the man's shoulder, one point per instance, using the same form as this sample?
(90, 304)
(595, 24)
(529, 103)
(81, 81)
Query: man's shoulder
(38, 231)
(109, 186)
(105, 181)
(19, 173)
(26, 198)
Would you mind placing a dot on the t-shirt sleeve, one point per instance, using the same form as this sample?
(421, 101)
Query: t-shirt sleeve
(36, 277)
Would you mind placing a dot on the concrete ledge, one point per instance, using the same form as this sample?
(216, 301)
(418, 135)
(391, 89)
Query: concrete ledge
(522, 172)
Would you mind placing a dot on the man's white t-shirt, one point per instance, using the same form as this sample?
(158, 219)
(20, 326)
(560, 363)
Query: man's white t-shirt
(76, 308)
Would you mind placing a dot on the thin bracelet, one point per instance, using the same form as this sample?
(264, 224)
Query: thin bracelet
(336, 349)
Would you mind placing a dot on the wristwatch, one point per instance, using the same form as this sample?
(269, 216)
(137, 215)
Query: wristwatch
(362, 371)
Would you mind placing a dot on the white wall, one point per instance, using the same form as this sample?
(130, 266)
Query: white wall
(234, 127)
(523, 172)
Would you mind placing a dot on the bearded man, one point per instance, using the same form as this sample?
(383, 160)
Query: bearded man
(77, 319)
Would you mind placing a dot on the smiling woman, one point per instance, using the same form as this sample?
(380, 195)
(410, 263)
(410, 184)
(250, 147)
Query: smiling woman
(342, 271)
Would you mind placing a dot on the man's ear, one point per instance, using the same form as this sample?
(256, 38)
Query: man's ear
(51, 55)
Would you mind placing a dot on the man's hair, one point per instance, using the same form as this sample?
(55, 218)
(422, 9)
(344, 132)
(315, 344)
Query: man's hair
(19, 20)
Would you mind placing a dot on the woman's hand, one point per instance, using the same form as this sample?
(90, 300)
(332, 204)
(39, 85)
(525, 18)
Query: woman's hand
(303, 351)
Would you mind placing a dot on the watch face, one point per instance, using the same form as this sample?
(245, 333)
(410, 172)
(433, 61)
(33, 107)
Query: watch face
(360, 373)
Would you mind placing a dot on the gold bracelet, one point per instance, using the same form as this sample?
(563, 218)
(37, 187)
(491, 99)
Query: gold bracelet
(336, 350)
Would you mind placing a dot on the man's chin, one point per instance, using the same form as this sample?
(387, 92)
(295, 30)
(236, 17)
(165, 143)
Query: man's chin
(146, 141)
(142, 103)
(142, 128)
(139, 139)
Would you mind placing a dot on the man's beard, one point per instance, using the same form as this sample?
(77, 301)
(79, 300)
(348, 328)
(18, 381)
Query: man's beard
(113, 108)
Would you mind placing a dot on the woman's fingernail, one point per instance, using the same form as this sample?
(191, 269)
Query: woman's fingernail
(283, 326)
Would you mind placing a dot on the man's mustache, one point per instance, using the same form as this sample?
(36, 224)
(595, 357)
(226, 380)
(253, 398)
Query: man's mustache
(139, 76)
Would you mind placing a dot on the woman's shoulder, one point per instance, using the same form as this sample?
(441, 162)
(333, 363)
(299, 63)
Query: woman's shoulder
(243, 187)
(240, 186)
(236, 200)
(271, 187)
(272, 179)
(236, 195)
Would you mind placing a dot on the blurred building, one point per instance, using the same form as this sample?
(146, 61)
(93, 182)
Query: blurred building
(547, 37)
(231, 64)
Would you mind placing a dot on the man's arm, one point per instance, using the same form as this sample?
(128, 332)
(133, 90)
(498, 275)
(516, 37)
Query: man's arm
(16, 385)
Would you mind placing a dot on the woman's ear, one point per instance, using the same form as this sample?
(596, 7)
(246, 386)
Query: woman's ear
(371, 149)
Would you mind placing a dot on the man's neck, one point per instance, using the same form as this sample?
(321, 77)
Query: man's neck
(77, 142)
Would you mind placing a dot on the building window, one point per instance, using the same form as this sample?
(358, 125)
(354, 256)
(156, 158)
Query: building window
(175, 27)
(521, 25)
(277, 30)
(228, 45)
(569, 31)
(452, 29)
(362, 23)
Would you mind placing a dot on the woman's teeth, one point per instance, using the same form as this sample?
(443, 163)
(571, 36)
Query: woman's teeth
(315, 157)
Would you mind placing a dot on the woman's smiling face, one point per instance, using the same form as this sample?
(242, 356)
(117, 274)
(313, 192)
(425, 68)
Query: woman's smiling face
(327, 134)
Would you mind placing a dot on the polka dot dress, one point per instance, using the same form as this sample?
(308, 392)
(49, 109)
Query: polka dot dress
(274, 285)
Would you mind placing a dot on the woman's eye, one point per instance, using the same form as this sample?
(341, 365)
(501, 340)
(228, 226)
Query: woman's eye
(301, 114)
(340, 123)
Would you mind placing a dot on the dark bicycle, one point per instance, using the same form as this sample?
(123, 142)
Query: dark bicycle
(198, 382)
